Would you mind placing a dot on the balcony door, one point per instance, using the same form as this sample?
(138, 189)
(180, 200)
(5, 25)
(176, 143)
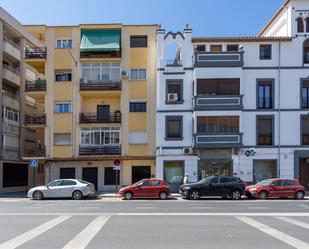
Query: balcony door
(103, 112)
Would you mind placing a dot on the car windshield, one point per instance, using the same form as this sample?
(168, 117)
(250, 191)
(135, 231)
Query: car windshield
(264, 182)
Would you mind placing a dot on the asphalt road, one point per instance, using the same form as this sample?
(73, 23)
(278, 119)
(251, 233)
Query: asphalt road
(154, 224)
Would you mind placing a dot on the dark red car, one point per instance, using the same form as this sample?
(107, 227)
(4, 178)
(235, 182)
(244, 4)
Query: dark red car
(146, 188)
(280, 188)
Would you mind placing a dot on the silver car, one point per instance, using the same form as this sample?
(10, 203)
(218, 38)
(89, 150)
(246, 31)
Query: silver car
(63, 188)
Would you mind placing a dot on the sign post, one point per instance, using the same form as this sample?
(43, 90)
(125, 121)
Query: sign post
(116, 167)
(34, 163)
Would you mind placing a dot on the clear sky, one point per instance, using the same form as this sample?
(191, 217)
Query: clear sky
(206, 17)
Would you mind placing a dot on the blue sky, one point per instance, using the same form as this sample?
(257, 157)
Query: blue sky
(206, 17)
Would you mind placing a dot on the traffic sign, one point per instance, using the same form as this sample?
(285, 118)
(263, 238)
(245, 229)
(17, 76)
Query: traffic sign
(116, 164)
(34, 163)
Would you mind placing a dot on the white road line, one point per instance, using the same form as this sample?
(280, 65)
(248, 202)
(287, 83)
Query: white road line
(200, 207)
(29, 235)
(88, 207)
(145, 207)
(292, 241)
(257, 207)
(294, 222)
(81, 240)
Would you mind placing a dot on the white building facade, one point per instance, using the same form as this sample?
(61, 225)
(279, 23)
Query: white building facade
(241, 105)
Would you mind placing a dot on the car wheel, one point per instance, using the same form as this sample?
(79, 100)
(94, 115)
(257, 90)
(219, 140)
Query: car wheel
(38, 195)
(299, 195)
(128, 195)
(163, 195)
(236, 195)
(195, 195)
(77, 195)
(263, 195)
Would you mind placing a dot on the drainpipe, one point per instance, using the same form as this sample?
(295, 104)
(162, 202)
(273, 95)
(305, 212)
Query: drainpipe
(279, 112)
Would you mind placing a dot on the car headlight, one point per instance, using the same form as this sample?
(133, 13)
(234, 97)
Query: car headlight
(253, 189)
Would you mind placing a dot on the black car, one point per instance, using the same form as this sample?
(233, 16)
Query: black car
(224, 186)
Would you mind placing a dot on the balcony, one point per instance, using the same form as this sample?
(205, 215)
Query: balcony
(35, 119)
(218, 102)
(219, 59)
(38, 85)
(11, 48)
(202, 140)
(11, 100)
(173, 63)
(99, 85)
(95, 118)
(36, 53)
(33, 150)
(11, 74)
(99, 150)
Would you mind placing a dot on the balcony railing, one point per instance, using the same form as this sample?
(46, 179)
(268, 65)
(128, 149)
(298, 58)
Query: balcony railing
(38, 85)
(265, 103)
(93, 85)
(34, 150)
(173, 63)
(101, 54)
(85, 150)
(12, 69)
(218, 102)
(35, 119)
(36, 53)
(219, 59)
(202, 140)
(95, 118)
(11, 48)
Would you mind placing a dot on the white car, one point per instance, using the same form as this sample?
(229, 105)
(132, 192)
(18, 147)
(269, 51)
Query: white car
(63, 188)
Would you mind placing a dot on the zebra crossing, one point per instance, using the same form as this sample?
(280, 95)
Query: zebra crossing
(48, 232)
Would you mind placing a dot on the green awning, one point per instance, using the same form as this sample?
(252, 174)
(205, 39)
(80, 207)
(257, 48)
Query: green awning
(100, 40)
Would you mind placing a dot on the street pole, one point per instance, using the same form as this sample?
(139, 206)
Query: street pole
(116, 180)
(33, 176)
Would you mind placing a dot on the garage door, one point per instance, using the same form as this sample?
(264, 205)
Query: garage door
(67, 173)
(91, 175)
(15, 175)
(140, 172)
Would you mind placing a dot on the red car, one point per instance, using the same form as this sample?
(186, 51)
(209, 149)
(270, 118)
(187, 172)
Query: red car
(280, 188)
(146, 188)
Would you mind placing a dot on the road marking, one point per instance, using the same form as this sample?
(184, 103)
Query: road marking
(81, 240)
(294, 222)
(200, 207)
(257, 207)
(292, 241)
(145, 207)
(88, 207)
(29, 235)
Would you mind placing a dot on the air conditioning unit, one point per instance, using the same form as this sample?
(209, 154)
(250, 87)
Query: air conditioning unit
(187, 150)
(172, 97)
(124, 74)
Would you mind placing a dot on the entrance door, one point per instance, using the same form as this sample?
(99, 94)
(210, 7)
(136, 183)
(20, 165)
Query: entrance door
(67, 173)
(213, 168)
(91, 175)
(103, 112)
(173, 174)
(304, 172)
(140, 172)
(264, 169)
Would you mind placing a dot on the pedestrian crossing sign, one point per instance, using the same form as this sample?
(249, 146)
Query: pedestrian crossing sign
(34, 163)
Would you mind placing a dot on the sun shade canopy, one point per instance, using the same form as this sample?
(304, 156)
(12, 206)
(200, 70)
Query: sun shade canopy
(100, 40)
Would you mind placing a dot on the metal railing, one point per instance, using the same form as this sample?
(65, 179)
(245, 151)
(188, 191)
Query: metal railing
(85, 150)
(99, 85)
(36, 53)
(34, 150)
(35, 119)
(11, 69)
(37, 85)
(265, 103)
(88, 118)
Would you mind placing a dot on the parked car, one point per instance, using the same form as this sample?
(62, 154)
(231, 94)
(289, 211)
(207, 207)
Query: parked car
(63, 188)
(280, 188)
(224, 186)
(146, 188)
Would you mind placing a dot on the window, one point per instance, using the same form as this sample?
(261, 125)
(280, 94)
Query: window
(265, 94)
(200, 48)
(138, 41)
(144, 183)
(214, 180)
(63, 76)
(138, 74)
(173, 127)
(111, 177)
(64, 43)
(10, 140)
(68, 183)
(305, 94)
(265, 130)
(305, 130)
(55, 183)
(277, 183)
(155, 183)
(218, 86)
(265, 52)
(306, 51)
(101, 136)
(174, 87)
(62, 138)
(300, 25)
(288, 183)
(100, 71)
(225, 180)
(138, 107)
(10, 114)
(307, 24)
(232, 47)
(63, 107)
(218, 125)
(215, 48)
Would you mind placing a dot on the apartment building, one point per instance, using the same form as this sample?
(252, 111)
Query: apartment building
(235, 105)
(15, 175)
(97, 102)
